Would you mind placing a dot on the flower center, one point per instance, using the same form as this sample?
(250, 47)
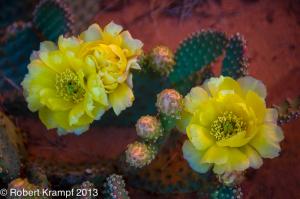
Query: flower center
(69, 86)
(227, 125)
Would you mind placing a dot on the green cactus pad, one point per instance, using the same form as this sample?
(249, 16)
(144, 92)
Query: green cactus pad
(288, 110)
(195, 53)
(169, 172)
(52, 18)
(234, 63)
(226, 192)
(15, 51)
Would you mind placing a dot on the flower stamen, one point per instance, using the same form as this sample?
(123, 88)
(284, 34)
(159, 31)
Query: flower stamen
(69, 87)
(227, 125)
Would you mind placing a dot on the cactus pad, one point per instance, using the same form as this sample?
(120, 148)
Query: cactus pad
(234, 63)
(195, 53)
(15, 51)
(52, 18)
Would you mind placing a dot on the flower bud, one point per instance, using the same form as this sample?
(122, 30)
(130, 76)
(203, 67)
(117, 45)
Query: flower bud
(148, 128)
(161, 60)
(139, 154)
(231, 178)
(114, 187)
(169, 102)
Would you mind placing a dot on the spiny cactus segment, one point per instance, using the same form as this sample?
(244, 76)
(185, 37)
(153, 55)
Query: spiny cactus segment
(235, 63)
(227, 192)
(52, 18)
(196, 52)
(288, 110)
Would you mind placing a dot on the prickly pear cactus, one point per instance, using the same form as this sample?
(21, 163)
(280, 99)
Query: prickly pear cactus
(52, 18)
(288, 110)
(11, 149)
(195, 53)
(235, 63)
(226, 192)
(15, 49)
(114, 188)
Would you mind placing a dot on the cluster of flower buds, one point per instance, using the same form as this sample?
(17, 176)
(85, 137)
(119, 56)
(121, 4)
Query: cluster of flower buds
(139, 154)
(170, 103)
(149, 128)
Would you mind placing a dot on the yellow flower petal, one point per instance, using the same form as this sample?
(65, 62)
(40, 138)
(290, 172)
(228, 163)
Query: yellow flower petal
(48, 97)
(76, 112)
(207, 114)
(200, 137)
(215, 85)
(193, 100)
(271, 115)
(236, 140)
(113, 28)
(251, 84)
(93, 33)
(54, 60)
(121, 98)
(254, 158)
(68, 44)
(132, 44)
(237, 160)
(184, 121)
(193, 156)
(46, 117)
(216, 155)
(257, 104)
(46, 46)
(266, 141)
(97, 90)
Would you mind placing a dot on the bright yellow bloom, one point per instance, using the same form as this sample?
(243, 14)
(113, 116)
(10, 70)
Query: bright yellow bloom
(113, 53)
(228, 126)
(73, 83)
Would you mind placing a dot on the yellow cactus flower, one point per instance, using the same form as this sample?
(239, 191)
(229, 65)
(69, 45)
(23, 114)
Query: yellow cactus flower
(113, 52)
(228, 126)
(73, 83)
(67, 94)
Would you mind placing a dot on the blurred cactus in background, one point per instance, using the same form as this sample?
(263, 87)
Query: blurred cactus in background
(12, 149)
(50, 19)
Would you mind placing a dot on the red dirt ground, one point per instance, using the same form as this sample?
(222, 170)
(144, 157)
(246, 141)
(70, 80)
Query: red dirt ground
(272, 32)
